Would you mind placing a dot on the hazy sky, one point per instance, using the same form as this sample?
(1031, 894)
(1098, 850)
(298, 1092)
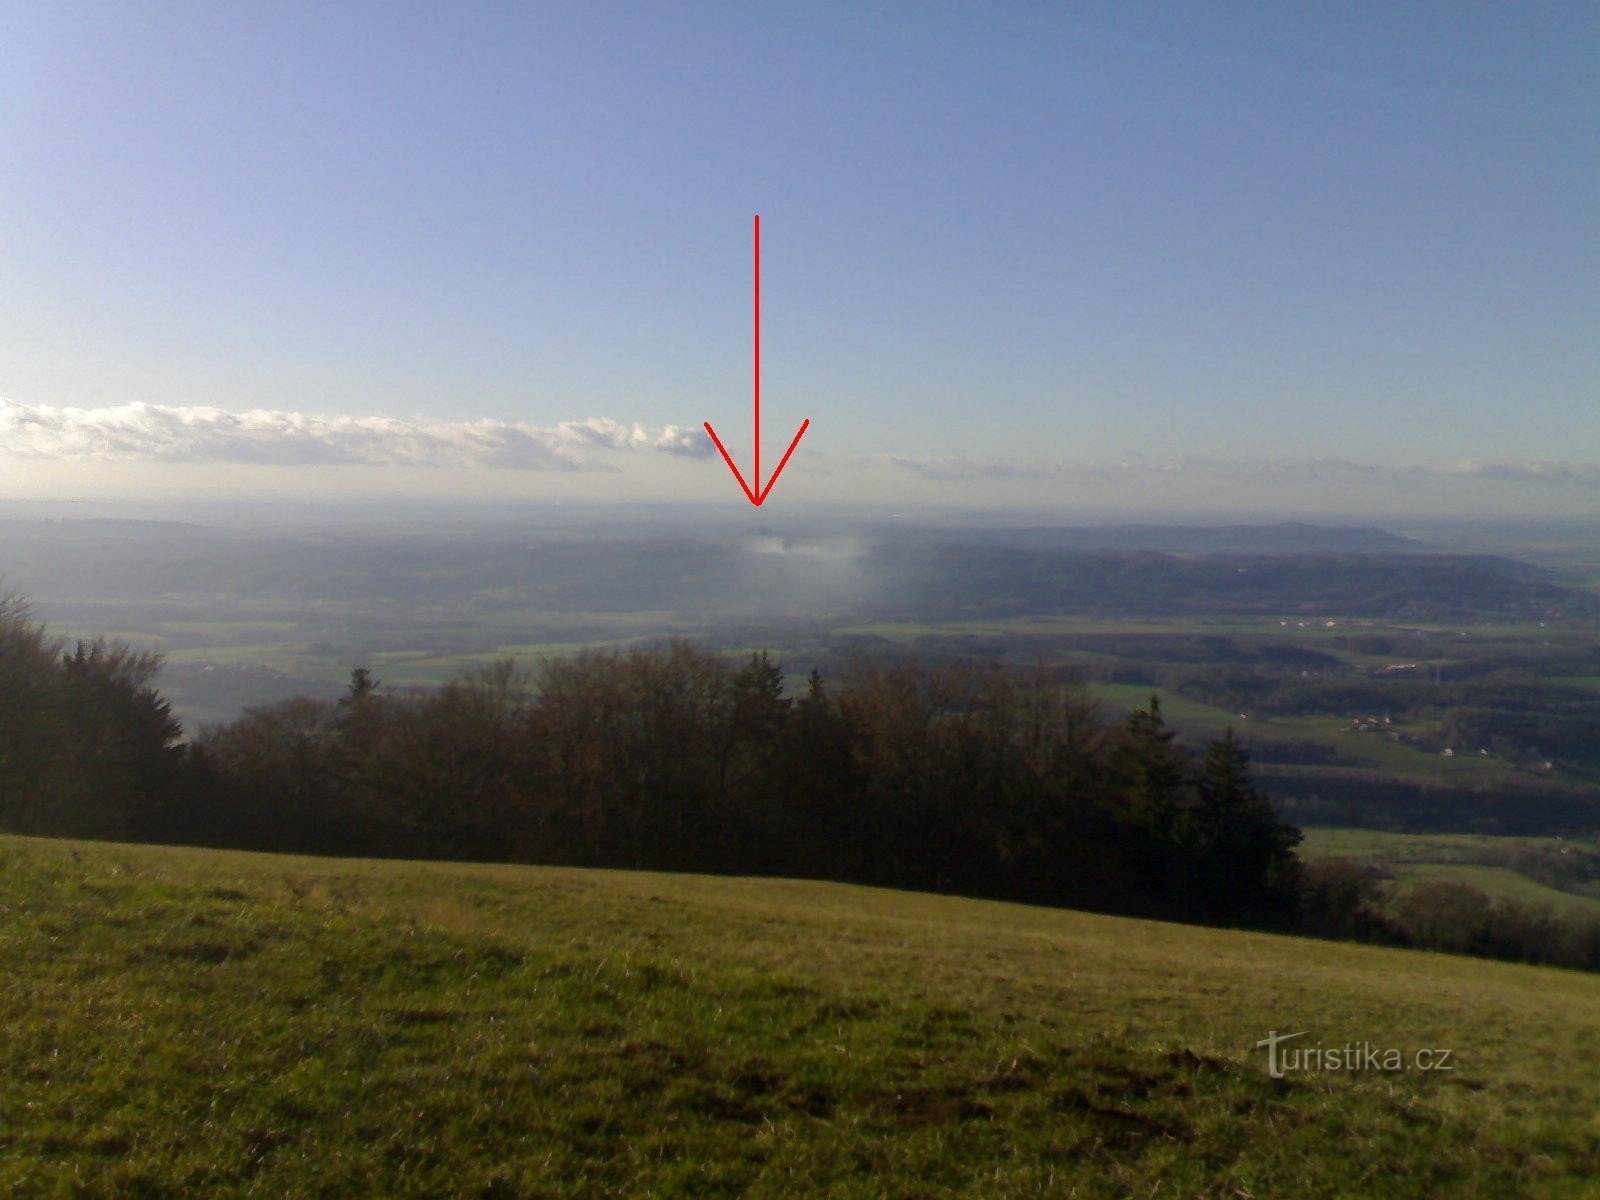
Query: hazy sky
(1287, 256)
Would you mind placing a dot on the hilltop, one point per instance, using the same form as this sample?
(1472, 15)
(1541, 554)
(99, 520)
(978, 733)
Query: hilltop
(187, 1022)
(1282, 537)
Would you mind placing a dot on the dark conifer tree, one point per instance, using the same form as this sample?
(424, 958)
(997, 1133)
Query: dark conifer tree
(1244, 853)
(1150, 772)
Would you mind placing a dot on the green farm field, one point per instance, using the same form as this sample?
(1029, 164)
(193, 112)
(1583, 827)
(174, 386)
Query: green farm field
(1297, 629)
(405, 668)
(1419, 847)
(1476, 859)
(185, 1022)
(1362, 750)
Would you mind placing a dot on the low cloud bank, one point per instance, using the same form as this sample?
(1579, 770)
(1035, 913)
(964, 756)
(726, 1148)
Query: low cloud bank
(174, 434)
(157, 433)
(1263, 470)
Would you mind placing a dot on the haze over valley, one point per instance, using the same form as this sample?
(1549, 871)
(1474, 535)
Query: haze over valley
(705, 600)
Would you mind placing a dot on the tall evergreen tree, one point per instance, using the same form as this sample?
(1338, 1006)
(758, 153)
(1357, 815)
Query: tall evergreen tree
(1244, 852)
(1150, 772)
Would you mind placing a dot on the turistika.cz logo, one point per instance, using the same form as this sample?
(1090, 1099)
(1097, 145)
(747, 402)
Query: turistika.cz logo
(1346, 1056)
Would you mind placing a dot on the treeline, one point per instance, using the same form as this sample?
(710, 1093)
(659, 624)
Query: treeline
(1342, 898)
(1369, 799)
(976, 781)
(973, 780)
(88, 748)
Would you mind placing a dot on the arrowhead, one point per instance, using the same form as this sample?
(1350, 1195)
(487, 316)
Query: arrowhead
(757, 495)
(758, 498)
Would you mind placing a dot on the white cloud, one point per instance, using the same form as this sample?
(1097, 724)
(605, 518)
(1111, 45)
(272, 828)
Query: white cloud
(1584, 475)
(131, 445)
(1203, 469)
(171, 434)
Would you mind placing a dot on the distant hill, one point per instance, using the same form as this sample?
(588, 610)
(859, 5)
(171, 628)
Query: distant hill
(1288, 537)
(914, 573)
(950, 581)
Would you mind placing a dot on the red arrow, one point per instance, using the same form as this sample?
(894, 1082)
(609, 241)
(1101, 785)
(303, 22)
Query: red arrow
(757, 495)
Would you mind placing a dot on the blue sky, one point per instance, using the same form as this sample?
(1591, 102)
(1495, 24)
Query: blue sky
(1019, 254)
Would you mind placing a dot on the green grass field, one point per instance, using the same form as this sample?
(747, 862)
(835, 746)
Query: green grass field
(1295, 628)
(401, 668)
(1327, 841)
(420, 669)
(1201, 719)
(191, 1023)
(1502, 881)
(1460, 857)
(1372, 750)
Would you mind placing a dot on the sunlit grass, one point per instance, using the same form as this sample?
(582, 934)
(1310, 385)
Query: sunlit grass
(184, 1023)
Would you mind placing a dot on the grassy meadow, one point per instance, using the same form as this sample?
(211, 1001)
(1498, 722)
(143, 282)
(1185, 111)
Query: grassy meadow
(1369, 750)
(1476, 859)
(184, 1023)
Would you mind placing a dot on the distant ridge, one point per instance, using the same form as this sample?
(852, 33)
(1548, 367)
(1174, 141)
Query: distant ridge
(1287, 537)
(915, 573)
